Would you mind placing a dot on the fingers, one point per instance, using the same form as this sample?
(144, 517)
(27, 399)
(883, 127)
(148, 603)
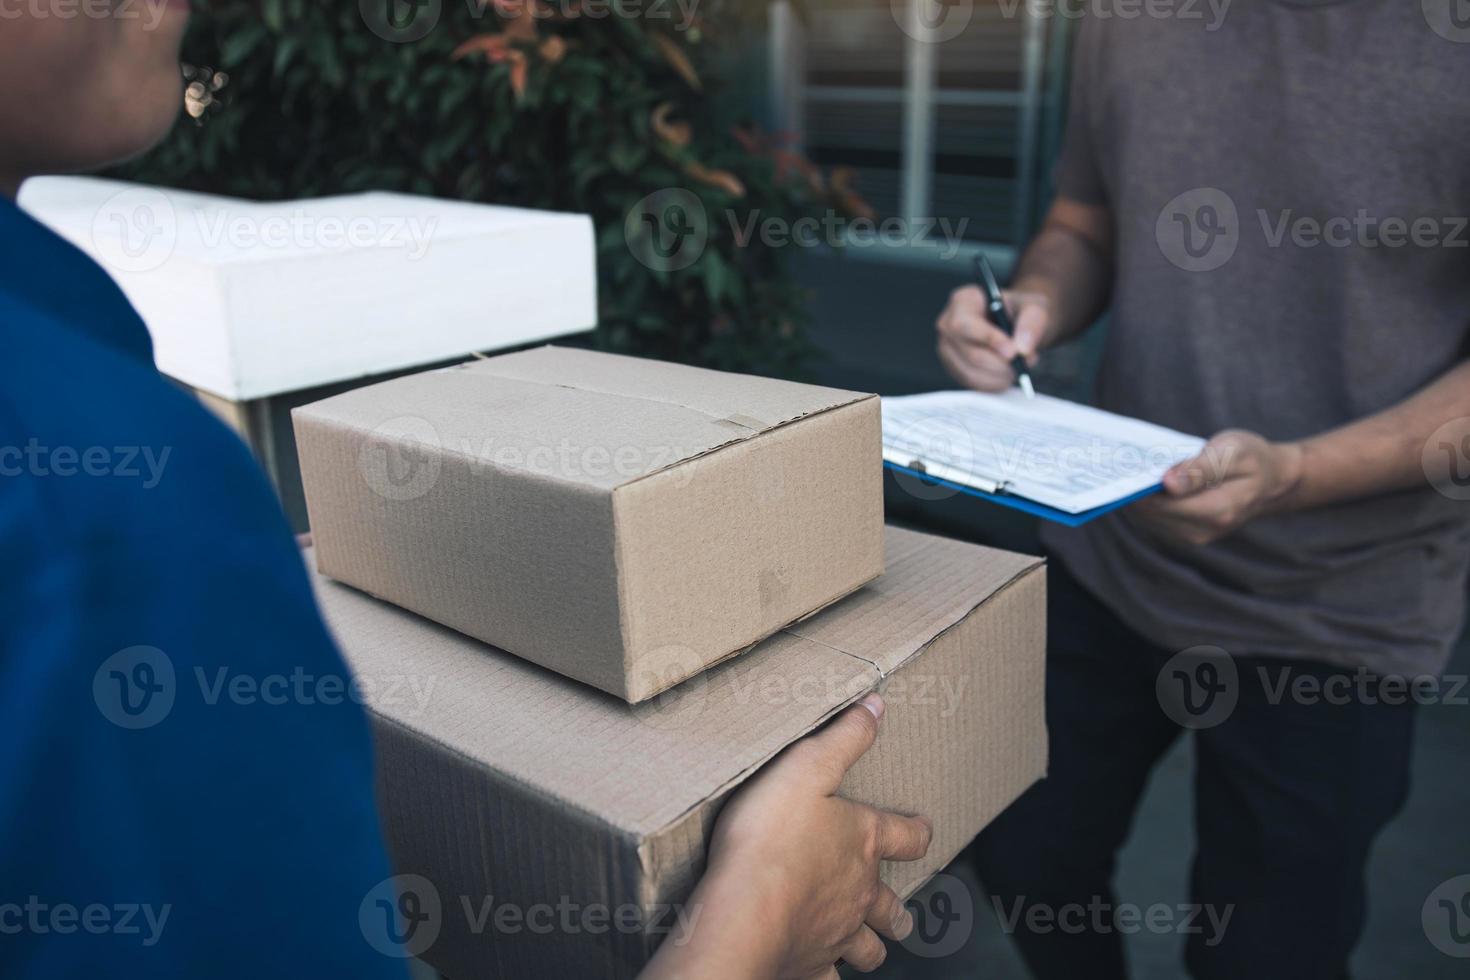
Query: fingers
(835, 749)
(965, 321)
(1196, 520)
(888, 917)
(1224, 457)
(976, 351)
(975, 367)
(1201, 508)
(864, 951)
(1195, 474)
(903, 838)
(1183, 479)
(1030, 329)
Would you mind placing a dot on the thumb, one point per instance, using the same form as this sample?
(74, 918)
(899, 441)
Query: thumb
(1030, 329)
(836, 748)
(1183, 479)
(1214, 464)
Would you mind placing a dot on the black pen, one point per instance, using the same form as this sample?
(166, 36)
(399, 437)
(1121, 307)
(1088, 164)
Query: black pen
(995, 306)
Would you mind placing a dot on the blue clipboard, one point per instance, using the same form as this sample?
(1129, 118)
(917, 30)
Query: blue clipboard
(1029, 506)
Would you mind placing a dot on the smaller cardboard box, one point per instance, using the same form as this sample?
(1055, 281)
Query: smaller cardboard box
(539, 828)
(624, 522)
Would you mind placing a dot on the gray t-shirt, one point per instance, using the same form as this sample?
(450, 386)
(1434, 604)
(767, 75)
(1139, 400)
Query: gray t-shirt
(1350, 118)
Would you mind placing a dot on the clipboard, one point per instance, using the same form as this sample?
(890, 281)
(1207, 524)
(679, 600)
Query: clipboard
(1054, 459)
(1028, 506)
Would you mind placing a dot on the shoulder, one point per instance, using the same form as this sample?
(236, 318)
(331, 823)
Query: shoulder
(121, 493)
(99, 446)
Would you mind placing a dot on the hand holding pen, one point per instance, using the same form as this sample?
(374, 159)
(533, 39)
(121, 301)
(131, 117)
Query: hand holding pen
(985, 354)
(995, 308)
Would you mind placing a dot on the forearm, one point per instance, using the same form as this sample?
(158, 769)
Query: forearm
(1069, 263)
(1383, 452)
(729, 936)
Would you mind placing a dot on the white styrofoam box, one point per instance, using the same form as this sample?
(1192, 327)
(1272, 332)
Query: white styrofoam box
(247, 299)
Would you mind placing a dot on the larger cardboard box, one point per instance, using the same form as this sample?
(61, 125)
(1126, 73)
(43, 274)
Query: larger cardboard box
(542, 829)
(624, 522)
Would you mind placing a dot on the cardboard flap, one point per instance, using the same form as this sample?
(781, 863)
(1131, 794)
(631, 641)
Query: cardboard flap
(744, 401)
(928, 585)
(577, 416)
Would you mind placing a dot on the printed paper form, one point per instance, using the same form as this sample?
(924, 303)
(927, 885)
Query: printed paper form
(1054, 452)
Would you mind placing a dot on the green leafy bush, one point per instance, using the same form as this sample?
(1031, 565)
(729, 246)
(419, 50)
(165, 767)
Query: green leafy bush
(541, 107)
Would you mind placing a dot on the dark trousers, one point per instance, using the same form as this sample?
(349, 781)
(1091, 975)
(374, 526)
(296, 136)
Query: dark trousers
(1289, 793)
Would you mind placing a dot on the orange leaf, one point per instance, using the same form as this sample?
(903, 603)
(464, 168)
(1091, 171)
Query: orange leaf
(519, 69)
(787, 161)
(847, 198)
(678, 60)
(492, 46)
(722, 179)
(553, 49)
(677, 133)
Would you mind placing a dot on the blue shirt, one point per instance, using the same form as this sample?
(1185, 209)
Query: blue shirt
(185, 777)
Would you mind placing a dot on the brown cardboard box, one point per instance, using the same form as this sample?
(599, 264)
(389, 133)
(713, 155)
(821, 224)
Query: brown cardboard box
(624, 522)
(547, 830)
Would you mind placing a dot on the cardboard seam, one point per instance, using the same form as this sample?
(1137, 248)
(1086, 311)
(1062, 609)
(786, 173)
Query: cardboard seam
(849, 653)
(1002, 590)
(860, 396)
(752, 425)
(478, 462)
(1003, 587)
(731, 442)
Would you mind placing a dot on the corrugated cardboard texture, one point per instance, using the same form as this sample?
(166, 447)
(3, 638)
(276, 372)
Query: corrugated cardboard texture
(624, 522)
(509, 784)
